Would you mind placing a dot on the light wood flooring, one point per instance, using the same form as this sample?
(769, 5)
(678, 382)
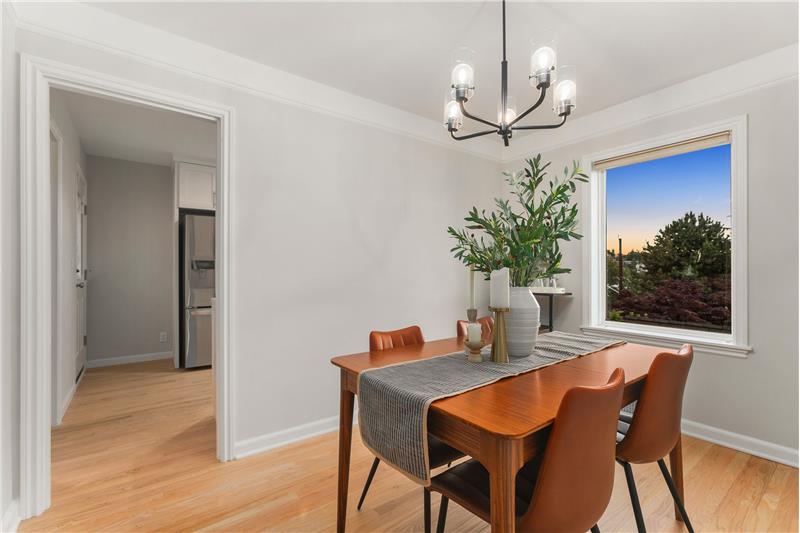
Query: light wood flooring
(136, 452)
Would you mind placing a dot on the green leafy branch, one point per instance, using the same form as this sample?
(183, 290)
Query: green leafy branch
(525, 238)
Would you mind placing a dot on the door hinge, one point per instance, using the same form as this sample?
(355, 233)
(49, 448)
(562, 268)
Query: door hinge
(84, 340)
(86, 210)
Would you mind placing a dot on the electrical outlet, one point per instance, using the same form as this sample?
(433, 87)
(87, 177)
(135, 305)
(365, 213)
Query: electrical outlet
(163, 337)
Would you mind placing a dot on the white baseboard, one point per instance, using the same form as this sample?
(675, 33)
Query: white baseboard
(743, 443)
(62, 408)
(276, 439)
(127, 359)
(10, 521)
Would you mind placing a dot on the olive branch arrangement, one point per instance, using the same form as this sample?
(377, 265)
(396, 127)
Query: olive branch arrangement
(525, 238)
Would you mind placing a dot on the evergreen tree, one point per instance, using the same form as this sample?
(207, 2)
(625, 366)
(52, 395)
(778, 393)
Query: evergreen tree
(693, 246)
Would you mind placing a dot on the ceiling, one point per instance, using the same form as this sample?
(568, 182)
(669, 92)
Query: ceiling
(399, 53)
(111, 128)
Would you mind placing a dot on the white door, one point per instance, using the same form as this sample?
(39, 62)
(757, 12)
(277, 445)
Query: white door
(81, 271)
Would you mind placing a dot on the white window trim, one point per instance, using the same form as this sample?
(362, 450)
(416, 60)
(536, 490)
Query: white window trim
(594, 250)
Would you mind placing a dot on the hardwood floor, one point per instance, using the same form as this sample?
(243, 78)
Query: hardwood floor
(136, 452)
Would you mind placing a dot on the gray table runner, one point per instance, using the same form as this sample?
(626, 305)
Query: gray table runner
(393, 401)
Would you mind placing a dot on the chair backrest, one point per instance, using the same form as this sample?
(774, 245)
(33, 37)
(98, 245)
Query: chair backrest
(383, 340)
(656, 424)
(576, 475)
(487, 327)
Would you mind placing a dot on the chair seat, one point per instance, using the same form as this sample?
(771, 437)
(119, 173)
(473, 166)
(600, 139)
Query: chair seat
(440, 454)
(467, 484)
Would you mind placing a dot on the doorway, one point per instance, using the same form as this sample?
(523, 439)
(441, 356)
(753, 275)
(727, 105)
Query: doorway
(40, 331)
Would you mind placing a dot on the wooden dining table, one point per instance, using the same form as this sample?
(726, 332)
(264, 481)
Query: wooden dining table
(503, 425)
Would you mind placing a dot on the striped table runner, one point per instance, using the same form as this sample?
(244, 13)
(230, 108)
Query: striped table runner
(394, 400)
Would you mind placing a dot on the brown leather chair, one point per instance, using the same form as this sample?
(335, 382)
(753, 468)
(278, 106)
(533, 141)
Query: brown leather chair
(385, 340)
(439, 453)
(655, 427)
(569, 486)
(487, 327)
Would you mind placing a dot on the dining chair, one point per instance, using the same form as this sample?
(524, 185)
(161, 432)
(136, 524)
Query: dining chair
(568, 487)
(652, 431)
(487, 327)
(439, 453)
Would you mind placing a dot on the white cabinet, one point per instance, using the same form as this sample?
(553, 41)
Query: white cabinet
(196, 185)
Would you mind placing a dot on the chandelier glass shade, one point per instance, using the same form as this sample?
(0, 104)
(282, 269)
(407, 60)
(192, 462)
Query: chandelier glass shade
(544, 74)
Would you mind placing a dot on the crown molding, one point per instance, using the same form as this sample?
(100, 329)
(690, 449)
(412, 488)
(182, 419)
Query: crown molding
(752, 74)
(100, 30)
(94, 28)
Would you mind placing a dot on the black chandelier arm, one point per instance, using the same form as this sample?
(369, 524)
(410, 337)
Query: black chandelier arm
(542, 94)
(473, 117)
(471, 135)
(542, 127)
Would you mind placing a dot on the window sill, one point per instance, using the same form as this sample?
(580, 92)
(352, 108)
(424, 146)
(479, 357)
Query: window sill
(670, 340)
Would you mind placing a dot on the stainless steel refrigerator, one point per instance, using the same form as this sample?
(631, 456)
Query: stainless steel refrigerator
(196, 255)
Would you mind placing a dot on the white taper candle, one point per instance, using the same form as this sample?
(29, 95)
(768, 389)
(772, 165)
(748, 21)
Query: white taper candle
(474, 333)
(499, 293)
(471, 288)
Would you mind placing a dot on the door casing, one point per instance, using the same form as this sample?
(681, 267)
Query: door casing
(37, 77)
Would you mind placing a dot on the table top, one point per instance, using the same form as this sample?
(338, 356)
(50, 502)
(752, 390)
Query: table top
(518, 406)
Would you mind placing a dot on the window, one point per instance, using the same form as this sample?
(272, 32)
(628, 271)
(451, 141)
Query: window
(668, 239)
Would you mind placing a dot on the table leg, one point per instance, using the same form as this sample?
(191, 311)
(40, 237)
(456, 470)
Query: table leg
(345, 440)
(676, 471)
(504, 465)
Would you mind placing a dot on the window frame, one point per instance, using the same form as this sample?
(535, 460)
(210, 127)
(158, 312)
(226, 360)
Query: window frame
(734, 343)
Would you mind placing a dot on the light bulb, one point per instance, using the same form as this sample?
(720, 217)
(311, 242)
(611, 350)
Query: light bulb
(453, 110)
(510, 112)
(565, 90)
(544, 58)
(543, 61)
(463, 76)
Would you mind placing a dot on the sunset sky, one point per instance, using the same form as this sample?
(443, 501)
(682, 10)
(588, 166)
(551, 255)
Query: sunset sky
(643, 198)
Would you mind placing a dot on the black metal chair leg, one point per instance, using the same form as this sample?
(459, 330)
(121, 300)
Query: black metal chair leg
(426, 502)
(442, 515)
(372, 470)
(595, 529)
(675, 496)
(637, 509)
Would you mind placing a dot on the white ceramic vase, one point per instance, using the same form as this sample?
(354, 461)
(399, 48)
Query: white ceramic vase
(522, 323)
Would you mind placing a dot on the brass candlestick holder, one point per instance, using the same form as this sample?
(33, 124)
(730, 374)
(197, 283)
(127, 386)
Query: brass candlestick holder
(500, 343)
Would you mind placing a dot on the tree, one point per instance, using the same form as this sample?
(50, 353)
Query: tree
(693, 246)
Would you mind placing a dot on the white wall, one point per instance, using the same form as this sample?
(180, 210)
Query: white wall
(9, 272)
(338, 228)
(66, 335)
(130, 256)
(754, 397)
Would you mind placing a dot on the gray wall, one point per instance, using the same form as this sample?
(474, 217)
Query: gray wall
(756, 396)
(130, 258)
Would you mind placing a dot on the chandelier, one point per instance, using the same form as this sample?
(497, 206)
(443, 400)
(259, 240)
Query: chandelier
(543, 74)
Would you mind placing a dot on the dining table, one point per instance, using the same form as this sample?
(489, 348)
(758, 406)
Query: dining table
(502, 425)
